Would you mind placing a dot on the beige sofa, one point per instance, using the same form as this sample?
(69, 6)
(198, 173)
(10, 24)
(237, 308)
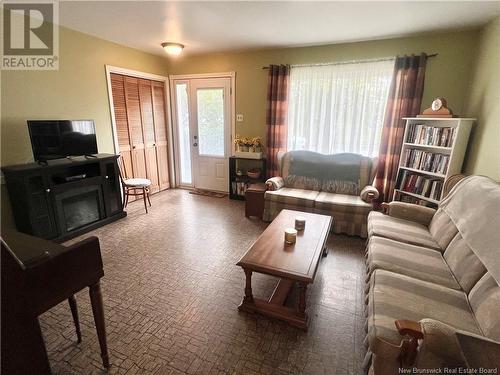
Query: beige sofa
(337, 185)
(436, 272)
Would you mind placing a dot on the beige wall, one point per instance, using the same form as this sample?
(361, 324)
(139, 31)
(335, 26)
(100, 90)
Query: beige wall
(448, 74)
(78, 90)
(484, 104)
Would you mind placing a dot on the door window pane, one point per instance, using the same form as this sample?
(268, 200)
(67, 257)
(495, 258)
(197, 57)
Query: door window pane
(211, 121)
(181, 92)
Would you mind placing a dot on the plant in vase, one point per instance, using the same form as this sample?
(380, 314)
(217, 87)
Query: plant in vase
(247, 144)
(240, 144)
(257, 144)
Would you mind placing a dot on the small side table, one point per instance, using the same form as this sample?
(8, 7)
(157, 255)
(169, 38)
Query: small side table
(254, 197)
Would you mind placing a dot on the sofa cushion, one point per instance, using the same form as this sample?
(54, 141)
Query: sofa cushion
(349, 212)
(484, 299)
(464, 264)
(410, 260)
(400, 230)
(295, 197)
(342, 202)
(442, 228)
(394, 296)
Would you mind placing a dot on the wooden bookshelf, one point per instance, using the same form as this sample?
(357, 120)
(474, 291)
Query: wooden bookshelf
(433, 149)
(428, 147)
(244, 181)
(428, 173)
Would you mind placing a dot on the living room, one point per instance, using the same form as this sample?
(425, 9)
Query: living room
(250, 187)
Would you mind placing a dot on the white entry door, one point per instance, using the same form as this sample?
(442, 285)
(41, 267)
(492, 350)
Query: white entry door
(203, 114)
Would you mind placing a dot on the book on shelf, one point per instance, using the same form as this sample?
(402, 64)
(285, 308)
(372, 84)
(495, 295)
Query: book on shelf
(430, 135)
(425, 161)
(422, 185)
(239, 187)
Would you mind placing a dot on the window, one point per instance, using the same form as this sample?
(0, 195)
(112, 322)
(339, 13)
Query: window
(181, 93)
(211, 121)
(338, 108)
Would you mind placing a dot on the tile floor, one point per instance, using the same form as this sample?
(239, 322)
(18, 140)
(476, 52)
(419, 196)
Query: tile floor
(171, 291)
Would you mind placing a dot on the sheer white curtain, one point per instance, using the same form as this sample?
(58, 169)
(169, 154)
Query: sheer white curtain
(338, 108)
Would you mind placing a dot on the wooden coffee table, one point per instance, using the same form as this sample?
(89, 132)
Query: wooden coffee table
(295, 263)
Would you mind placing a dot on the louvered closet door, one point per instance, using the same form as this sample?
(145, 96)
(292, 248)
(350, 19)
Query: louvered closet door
(159, 112)
(135, 126)
(120, 109)
(148, 129)
(139, 107)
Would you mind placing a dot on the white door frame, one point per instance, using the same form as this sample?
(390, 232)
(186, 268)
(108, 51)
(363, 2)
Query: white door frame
(187, 77)
(135, 73)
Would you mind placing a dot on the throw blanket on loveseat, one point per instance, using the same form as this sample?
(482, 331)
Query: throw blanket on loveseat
(338, 173)
(474, 207)
(334, 185)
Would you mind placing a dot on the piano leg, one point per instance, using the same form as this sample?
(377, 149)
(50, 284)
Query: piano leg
(98, 311)
(74, 312)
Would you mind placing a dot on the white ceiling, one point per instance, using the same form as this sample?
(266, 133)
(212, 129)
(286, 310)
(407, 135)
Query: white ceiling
(221, 26)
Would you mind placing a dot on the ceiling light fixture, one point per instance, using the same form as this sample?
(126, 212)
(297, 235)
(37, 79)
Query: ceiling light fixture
(174, 49)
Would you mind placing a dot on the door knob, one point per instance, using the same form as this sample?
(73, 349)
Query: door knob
(47, 190)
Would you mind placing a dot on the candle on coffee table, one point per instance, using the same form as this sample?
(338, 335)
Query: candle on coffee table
(300, 223)
(290, 235)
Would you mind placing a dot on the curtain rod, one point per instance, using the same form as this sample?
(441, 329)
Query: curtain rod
(348, 62)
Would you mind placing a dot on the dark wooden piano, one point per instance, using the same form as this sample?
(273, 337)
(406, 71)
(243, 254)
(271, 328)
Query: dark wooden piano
(37, 275)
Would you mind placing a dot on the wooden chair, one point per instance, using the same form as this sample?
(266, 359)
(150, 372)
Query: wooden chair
(133, 186)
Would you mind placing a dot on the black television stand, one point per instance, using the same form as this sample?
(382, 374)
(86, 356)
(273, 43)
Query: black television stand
(63, 198)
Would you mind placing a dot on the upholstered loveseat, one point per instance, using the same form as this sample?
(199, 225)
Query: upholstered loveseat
(433, 276)
(338, 185)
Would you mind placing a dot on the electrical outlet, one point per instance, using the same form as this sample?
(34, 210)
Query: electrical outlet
(239, 117)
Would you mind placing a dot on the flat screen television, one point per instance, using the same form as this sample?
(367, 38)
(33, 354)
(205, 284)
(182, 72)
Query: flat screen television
(54, 139)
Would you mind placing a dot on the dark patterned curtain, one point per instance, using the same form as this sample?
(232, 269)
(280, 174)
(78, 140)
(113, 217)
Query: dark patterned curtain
(405, 97)
(276, 119)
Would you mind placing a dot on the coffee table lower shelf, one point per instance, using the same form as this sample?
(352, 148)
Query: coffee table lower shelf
(275, 307)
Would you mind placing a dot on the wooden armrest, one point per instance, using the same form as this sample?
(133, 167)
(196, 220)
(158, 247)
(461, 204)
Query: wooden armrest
(409, 347)
(410, 328)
